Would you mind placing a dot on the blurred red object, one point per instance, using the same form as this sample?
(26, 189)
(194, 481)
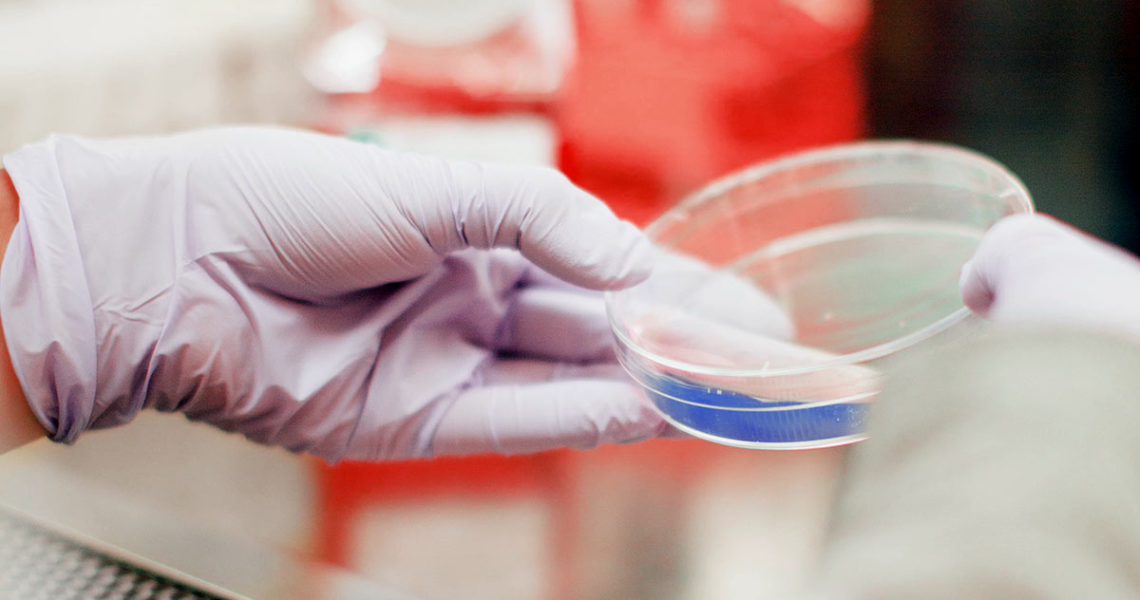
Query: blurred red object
(380, 59)
(669, 94)
(348, 490)
(651, 98)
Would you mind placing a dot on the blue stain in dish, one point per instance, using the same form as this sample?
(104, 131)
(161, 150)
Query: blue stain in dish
(742, 418)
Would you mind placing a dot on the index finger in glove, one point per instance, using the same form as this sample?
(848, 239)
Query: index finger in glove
(315, 216)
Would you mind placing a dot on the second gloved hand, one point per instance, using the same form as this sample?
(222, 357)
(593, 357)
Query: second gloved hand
(1034, 270)
(317, 293)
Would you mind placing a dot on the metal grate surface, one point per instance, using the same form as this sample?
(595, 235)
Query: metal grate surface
(36, 563)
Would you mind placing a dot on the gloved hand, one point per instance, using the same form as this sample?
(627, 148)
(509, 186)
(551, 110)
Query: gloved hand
(317, 293)
(1032, 269)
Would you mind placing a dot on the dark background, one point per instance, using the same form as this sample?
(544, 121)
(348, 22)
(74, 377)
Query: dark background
(1048, 88)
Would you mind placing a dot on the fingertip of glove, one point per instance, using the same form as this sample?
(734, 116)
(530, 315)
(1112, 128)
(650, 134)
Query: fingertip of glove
(616, 253)
(562, 228)
(634, 258)
(606, 255)
(976, 294)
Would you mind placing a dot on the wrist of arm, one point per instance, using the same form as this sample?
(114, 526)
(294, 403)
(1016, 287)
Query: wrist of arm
(18, 425)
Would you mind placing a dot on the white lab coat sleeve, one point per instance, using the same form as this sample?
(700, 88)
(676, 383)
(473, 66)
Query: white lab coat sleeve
(1005, 468)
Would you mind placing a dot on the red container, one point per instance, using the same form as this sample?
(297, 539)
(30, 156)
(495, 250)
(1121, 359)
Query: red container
(669, 94)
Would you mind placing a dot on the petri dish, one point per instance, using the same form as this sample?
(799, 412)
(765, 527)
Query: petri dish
(782, 288)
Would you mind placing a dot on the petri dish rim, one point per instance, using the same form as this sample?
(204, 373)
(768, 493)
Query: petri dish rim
(950, 152)
(749, 445)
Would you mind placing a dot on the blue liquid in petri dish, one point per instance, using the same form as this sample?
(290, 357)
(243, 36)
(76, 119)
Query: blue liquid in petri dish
(738, 419)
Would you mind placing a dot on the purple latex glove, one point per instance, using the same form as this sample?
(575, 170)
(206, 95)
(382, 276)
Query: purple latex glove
(317, 293)
(1034, 270)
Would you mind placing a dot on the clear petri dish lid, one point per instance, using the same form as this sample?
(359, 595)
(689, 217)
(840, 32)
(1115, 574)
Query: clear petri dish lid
(834, 257)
